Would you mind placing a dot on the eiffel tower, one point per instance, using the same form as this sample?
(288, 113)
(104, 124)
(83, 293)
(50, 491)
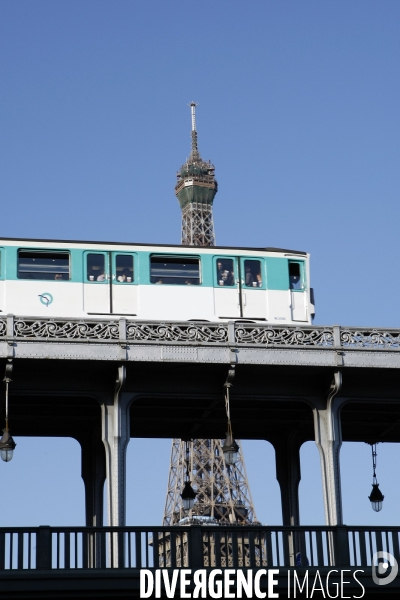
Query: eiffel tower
(222, 490)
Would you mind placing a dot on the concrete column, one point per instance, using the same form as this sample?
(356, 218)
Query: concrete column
(116, 435)
(287, 457)
(328, 437)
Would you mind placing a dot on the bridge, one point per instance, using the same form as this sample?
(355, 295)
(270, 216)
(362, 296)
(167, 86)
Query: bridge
(105, 381)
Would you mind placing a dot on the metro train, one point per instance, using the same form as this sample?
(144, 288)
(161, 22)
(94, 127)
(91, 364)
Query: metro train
(48, 278)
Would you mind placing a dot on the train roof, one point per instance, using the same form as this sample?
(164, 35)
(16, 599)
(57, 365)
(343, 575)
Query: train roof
(267, 249)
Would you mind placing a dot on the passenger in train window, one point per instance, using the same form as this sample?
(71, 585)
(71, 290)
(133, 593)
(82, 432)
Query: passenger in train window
(220, 273)
(251, 267)
(125, 277)
(159, 281)
(252, 273)
(225, 274)
(294, 276)
(295, 283)
(58, 276)
(249, 279)
(95, 267)
(229, 277)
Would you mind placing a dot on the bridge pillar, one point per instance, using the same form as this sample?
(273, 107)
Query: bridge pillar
(93, 475)
(116, 436)
(328, 437)
(287, 458)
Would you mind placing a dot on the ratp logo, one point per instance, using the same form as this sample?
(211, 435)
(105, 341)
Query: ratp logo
(386, 569)
(46, 298)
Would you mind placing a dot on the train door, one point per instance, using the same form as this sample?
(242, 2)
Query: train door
(297, 285)
(253, 288)
(96, 286)
(109, 283)
(124, 297)
(226, 281)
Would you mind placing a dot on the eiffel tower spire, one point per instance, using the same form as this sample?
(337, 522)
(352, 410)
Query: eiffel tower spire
(195, 189)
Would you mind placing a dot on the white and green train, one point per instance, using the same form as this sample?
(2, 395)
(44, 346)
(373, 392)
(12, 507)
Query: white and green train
(154, 282)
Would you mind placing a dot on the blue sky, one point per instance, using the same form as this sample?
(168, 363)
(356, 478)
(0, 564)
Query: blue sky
(299, 112)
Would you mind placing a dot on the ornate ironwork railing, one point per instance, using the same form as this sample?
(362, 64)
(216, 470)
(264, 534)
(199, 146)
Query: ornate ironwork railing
(58, 329)
(235, 333)
(284, 336)
(194, 547)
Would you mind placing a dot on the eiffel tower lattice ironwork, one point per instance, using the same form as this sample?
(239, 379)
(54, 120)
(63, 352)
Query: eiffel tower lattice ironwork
(222, 490)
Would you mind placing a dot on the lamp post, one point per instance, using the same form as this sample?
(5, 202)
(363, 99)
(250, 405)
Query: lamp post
(376, 497)
(7, 444)
(188, 494)
(230, 448)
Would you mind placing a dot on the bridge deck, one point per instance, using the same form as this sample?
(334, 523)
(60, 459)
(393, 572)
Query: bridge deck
(64, 369)
(243, 343)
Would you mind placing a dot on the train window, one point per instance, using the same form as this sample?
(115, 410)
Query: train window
(176, 270)
(124, 268)
(252, 273)
(37, 264)
(95, 267)
(225, 272)
(295, 282)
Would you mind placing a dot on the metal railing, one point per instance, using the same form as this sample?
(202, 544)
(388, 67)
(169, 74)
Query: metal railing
(364, 542)
(236, 333)
(194, 547)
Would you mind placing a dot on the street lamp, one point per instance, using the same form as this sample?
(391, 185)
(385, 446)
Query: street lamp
(188, 494)
(376, 497)
(7, 444)
(230, 447)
